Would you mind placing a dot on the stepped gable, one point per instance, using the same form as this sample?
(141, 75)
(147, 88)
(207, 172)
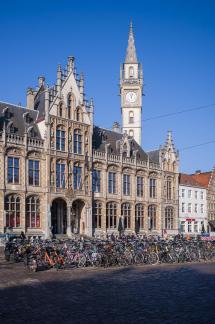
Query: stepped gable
(19, 118)
(103, 137)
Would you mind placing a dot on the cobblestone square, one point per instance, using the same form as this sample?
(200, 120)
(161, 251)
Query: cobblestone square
(144, 294)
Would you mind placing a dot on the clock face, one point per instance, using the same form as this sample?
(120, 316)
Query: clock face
(131, 96)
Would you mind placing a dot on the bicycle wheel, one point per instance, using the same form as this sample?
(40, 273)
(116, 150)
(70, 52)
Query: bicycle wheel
(81, 260)
(153, 258)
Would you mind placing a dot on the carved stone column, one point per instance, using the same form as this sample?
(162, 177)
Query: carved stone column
(68, 230)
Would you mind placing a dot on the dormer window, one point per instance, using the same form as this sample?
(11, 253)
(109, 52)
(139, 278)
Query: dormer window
(12, 129)
(27, 118)
(32, 133)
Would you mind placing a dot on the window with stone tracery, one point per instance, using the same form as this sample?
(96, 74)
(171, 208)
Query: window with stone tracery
(33, 212)
(169, 217)
(111, 215)
(12, 209)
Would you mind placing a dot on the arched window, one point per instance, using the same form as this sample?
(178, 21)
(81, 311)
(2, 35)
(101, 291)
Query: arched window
(32, 132)
(11, 128)
(126, 213)
(33, 212)
(131, 132)
(78, 115)
(152, 217)
(60, 139)
(169, 188)
(169, 217)
(12, 209)
(139, 216)
(131, 72)
(60, 110)
(111, 215)
(97, 214)
(131, 117)
(69, 104)
(60, 174)
(77, 141)
(152, 188)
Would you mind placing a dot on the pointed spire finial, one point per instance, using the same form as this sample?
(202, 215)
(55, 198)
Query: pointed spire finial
(131, 56)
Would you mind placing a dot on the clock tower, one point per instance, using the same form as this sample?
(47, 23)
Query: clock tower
(131, 88)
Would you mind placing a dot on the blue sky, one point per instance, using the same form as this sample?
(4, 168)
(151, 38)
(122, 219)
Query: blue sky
(175, 42)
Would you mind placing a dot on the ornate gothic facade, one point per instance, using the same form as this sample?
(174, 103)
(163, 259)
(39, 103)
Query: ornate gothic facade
(60, 172)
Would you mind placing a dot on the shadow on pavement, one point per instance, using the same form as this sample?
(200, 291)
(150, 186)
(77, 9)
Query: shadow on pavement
(125, 295)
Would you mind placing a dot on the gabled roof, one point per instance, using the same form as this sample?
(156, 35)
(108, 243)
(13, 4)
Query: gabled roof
(188, 180)
(203, 177)
(16, 115)
(102, 137)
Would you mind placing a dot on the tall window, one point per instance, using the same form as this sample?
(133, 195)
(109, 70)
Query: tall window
(13, 170)
(60, 175)
(196, 194)
(96, 180)
(12, 208)
(60, 111)
(202, 208)
(168, 218)
(78, 115)
(131, 117)
(169, 188)
(183, 226)
(131, 132)
(183, 207)
(33, 212)
(126, 213)
(112, 182)
(111, 215)
(152, 217)
(131, 72)
(97, 214)
(33, 172)
(189, 227)
(202, 195)
(182, 192)
(139, 216)
(152, 188)
(77, 180)
(77, 141)
(60, 140)
(196, 208)
(140, 186)
(189, 193)
(126, 184)
(69, 105)
(189, 209)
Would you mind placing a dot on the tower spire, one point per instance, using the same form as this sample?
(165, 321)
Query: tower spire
(131, 56)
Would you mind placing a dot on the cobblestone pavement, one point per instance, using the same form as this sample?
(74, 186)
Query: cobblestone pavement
(144, 294)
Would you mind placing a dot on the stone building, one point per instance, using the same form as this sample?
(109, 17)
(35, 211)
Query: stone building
(59, 172)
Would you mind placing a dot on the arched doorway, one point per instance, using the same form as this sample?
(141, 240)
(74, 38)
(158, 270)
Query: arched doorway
(59, 216)
(78, 217)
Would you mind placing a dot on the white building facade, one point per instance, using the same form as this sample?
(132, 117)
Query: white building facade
(192, 206)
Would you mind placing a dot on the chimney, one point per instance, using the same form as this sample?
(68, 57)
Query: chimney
(30, 98)
(41, 80)
(116, 127)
